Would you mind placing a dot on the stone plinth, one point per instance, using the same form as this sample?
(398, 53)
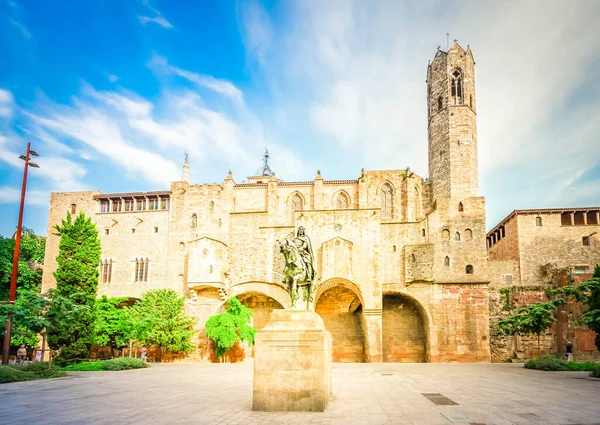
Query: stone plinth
(292, 363)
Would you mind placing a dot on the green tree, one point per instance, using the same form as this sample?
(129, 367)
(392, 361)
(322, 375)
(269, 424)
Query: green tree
(76, 285)
(532, 319)
(112, 326)
(588, 294)
(29, 279)
(159, 318)
(230, 327)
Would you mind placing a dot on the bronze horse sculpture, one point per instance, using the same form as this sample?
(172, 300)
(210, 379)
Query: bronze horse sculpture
(296, 273)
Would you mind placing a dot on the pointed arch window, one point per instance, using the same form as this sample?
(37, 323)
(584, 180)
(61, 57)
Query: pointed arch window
(141, 270)
(457, 236)
(106, 270)
(446, 235)
(387, 201)
(538, 221)
(341, 201)
(457, 87)
(194, 221)
(297, 204)
(461, 208)
(468, 234)
(447, 261)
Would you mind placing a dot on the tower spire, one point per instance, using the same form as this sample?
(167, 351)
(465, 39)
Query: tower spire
(266, 168)
(186, 169)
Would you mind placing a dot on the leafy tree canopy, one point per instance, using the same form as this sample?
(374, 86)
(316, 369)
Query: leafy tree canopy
(230, 327)
(31, 258)
(113, 323)
(159, 318)
(532, 319)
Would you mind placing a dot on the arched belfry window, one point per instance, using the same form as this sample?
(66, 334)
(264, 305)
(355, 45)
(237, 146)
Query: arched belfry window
(457, 87)
(457, 236)
(341, 201)
(194, 221)
(387, 199)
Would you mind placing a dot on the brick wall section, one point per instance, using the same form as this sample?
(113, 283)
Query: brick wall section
(343, 317)
(404, 332)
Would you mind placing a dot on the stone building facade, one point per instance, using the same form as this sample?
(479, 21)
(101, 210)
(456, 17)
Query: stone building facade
(531, 251)
(401, 261)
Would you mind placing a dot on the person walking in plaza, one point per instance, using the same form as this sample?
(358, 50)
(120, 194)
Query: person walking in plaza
(569, 349)
(144, 355)
(21, 354)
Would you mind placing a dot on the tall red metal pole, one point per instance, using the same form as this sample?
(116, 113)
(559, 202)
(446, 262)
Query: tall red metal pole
(15, 266)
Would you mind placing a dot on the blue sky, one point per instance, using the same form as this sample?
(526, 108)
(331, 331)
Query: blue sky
(112, 92)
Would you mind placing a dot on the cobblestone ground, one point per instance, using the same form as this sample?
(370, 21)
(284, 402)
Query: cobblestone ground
(488, 394)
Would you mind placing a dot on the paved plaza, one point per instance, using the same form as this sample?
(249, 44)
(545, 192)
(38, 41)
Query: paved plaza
(501, 394)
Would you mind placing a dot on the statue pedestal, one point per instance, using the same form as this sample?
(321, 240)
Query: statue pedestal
(292, 363)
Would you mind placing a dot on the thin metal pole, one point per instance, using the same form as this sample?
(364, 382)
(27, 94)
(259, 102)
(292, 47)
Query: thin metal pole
(15, 266)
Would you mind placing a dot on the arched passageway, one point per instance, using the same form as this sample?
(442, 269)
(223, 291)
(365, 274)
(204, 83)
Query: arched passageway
(261, 305)
(404, 330)
(341, 311)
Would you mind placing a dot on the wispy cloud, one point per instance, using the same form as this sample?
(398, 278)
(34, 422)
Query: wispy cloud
(257, 29)
(10, 195)
(15, 17)
(160, 64)
(156, 18)
(113, 78)
(6, 103)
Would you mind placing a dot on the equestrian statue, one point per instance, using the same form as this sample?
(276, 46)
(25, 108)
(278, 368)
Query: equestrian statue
(299, 271)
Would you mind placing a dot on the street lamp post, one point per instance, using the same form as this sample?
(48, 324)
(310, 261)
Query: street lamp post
(15, 266)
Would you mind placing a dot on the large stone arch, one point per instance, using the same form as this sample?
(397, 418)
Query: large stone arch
(404, 329)
(277, 292)
(340, 304)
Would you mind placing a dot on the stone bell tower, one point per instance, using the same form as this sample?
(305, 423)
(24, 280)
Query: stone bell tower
(452, 128)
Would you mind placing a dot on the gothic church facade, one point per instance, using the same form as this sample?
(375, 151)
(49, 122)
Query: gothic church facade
(401, 261)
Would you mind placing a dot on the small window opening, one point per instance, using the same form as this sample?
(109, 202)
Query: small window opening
(457, 236)
(413, 258)
(468, 234)
(107, 232)
(423, 232)
(73, 208)
(508, 278)
(586, 241)
(394, 248)
(194, 220)
(471, 101)
(133, 230)
(469, 269)
(210, 269)
(447, 261)
(446, 235)
(156, 230)
(461, 208)
(580, 270)
(440, 103)
(538, 221)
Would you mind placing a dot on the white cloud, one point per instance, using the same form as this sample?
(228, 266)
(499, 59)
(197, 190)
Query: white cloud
(257, 30)
(6, 103)
(10, 195)
(224, 87)
(16, 19)
(359, 70)
(113, 78)
(158, 18)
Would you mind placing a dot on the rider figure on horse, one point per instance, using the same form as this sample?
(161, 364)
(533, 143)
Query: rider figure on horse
(304, 246)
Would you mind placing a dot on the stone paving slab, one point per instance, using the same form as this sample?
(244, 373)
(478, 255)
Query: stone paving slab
(373, 394)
